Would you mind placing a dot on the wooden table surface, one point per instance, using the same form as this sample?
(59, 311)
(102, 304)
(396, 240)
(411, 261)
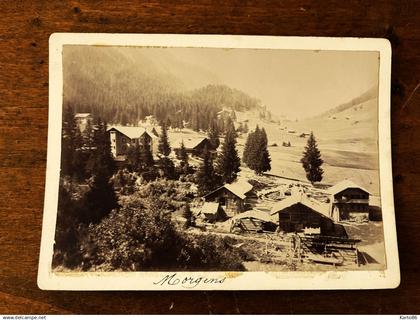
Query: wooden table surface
(24, 30)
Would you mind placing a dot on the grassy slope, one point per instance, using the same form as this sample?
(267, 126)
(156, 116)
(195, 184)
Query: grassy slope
(348, 145)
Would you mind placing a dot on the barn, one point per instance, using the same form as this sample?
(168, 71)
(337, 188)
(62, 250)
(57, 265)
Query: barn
(212, 212)
(298, 212)
(233, 198)
(122, 137)
(349, 201)
(193, 146)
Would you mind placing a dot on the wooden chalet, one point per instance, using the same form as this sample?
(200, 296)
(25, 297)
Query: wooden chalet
(349, 201)
(82, 120)
(122, 137)
(298, 212)
(212, 212)
(194, 146)
(232, 198)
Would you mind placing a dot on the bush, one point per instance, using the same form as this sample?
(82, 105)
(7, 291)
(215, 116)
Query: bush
(72, 247)
(134, 239)
(125, 181)
(145, 238)
(209, 253)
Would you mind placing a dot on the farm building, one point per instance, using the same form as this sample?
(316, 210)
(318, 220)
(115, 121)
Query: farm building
(253, 221)
(122, 137)
(349, 201)
(298, 212)
(233, 198)
(193, 146)
(82, 119)
(211, 212)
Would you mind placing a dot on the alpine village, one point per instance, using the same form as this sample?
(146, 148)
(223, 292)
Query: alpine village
(209, 190)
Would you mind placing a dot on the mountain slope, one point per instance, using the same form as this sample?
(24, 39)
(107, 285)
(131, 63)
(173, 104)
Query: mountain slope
(124, 86)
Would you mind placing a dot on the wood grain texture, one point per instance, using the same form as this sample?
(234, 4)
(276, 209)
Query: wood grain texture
(24, 30)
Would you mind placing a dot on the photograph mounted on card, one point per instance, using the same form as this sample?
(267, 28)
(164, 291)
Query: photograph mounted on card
(217, 162)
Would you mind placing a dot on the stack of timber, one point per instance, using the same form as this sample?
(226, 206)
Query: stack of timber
(331, 250)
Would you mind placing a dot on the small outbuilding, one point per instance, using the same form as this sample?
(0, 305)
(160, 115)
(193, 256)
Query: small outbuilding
(298, 212)
(349, 201)
(232, 197)
(193, 146)
(212, 212)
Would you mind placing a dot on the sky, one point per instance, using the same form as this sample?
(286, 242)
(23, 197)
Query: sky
(294, 83)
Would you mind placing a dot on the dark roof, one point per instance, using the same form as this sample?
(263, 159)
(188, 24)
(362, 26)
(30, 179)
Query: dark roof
(239, 189)
(343, 185)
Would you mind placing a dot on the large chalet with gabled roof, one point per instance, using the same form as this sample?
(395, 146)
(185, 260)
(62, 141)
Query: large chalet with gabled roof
(349, 201)
(123, 137)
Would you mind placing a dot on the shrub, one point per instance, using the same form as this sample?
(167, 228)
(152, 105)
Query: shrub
(145, 238)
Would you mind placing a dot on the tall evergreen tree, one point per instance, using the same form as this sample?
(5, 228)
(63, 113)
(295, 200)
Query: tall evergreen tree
(167, 168)
(79, 157)
(68, 145)
(88, 135)
(133, 157)
(256, 154)
(228, 162)
(264, 160)
(164, 147)
(165, 164)
(182, 154)
(250, 147)
(100, 160)
(205, 176)
(146, 156)
(312, 161)
(213, 135)
(101, 198)
(74, 155)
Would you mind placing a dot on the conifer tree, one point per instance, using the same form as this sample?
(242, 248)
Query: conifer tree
(68, 141)
(187, 214)
(164, 147)
(88, 135)
(250, 147)
(74, 156)
(256, 154)
(312, 161)
(146, 156)
(100, 160)
(133, 157)
(182, 154)
(165, 163)
(167, 168)
(101, 197)
(183, 157)
(264, 160)
(205, 176)
(213, 135)
(228, 162)
(79, 156)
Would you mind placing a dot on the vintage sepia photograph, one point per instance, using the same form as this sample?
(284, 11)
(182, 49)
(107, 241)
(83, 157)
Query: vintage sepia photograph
(185, 160)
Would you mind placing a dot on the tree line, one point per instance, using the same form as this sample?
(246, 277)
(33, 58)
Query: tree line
(197, 109)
